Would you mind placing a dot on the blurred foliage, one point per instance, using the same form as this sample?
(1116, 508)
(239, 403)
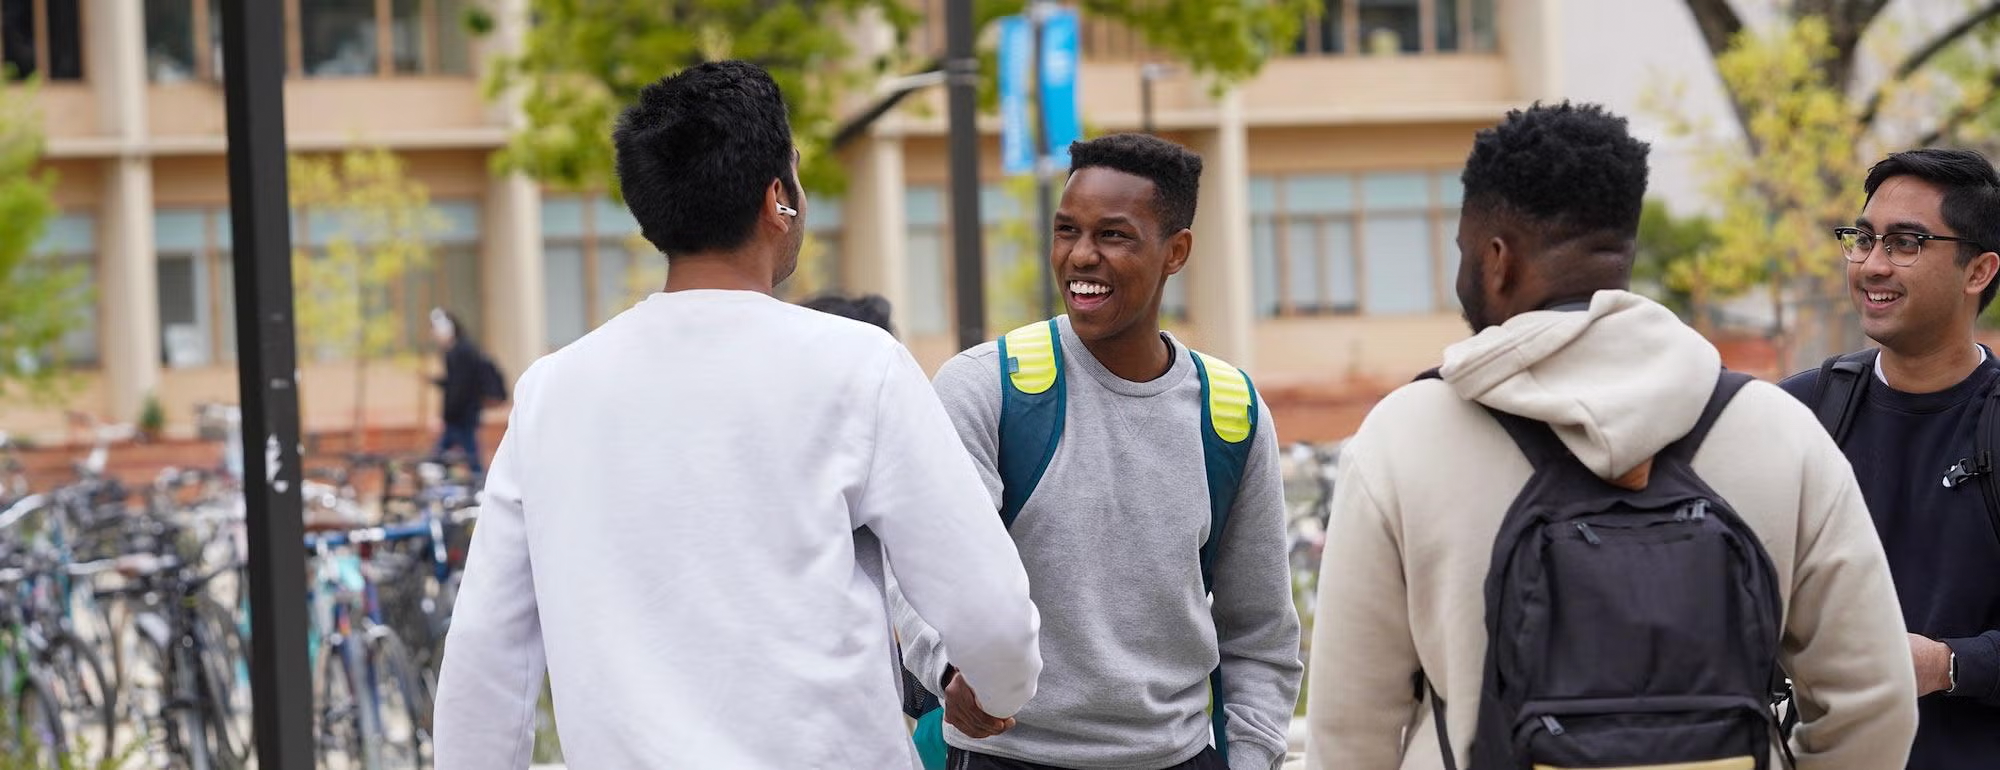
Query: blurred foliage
(1809, 128)
(1667, 244)
(40, 300)
(346, 293)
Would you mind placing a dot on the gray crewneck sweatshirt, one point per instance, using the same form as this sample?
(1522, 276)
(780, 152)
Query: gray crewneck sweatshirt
(1111, 541)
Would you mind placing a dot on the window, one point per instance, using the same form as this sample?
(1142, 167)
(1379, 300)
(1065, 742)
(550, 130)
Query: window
(451, 282)
(349, 38)
(70, 241)
(196, 293)
(1389, 27)
(1353, 243)
(41, 37)
(183, 40)
(594, 264)
(930, 276)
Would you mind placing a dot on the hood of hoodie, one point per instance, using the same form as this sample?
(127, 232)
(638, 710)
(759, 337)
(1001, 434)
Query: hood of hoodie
(1617, 382)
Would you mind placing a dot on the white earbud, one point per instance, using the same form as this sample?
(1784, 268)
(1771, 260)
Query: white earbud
(787, 210)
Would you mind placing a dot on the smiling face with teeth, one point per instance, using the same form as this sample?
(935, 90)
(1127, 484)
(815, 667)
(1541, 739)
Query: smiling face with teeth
(1112, 257)
(1930, 302)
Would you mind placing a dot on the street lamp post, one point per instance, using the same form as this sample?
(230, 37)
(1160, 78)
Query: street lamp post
(962, 91)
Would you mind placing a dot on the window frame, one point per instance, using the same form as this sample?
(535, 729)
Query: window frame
(1311, 40)
(1435, 212)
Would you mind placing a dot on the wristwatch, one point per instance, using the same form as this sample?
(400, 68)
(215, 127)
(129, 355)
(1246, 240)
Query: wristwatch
(1953, 674)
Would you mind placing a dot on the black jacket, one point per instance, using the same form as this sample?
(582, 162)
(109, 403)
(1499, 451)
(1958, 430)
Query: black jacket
(463, 365)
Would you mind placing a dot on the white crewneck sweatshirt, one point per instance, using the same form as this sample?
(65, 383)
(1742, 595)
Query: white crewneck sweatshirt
(669, 526)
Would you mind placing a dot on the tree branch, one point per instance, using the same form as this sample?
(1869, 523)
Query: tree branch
(1719, 27)
(1718, 22)
(1925, 53)
(1966, 110)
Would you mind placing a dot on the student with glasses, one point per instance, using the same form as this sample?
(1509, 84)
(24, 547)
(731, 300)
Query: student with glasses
(1920, 269)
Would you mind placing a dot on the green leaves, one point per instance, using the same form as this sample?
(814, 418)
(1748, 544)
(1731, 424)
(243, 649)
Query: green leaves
(377, 226)
(40, 299)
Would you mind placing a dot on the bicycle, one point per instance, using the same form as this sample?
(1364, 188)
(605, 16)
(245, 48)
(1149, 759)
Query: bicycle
(372, 708)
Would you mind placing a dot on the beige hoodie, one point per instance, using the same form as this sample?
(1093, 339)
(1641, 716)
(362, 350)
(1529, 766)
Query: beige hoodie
(1424, 485)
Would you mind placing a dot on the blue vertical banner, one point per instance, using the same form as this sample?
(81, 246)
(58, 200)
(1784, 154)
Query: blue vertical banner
(1061, 119)
(1017, 56)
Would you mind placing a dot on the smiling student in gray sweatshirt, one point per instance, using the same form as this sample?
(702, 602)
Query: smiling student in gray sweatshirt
(1144, 450)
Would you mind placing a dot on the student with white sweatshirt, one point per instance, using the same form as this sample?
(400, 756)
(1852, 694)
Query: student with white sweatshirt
(668, 525)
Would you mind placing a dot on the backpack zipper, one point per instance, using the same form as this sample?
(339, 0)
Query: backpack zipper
(1589, 535)
(1695, 511)
(1550, 723)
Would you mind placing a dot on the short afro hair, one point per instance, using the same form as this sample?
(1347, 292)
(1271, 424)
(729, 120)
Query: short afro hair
(696, 152)
(1570, 170)
(1971, 197)
(1174, 170)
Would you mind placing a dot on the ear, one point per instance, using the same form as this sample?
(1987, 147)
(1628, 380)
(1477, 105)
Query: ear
(774, 197)
(1178, 248)
(1981, 273)
(1502, 266)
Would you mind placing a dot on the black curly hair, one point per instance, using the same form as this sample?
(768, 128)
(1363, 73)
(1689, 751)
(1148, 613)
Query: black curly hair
(1971, 197)
(1174, 170)
(696, 152)
(1564, 170)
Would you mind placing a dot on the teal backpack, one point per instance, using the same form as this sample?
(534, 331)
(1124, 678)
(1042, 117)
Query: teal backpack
(1033, 406)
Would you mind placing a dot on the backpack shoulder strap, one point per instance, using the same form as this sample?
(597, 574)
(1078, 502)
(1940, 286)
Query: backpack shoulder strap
(1228, 425)
(1727, 385)
(1983, 442)
(1033, 401)
(1228, 430)
(1533, 437)
(1842, 388)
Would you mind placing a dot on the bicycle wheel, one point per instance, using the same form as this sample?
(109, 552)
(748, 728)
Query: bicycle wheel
(396, 697)
(225, 668)
(37, 732)
(88, 696)
(338, 734)
(182, 723)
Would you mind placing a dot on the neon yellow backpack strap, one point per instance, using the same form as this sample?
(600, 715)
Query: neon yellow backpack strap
(1029, 353)
(1230, 402)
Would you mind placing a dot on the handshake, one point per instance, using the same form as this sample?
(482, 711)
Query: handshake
(961, 709)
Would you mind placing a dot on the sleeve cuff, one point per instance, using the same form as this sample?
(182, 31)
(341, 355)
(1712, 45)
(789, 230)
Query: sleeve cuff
(944, 679)
(1251, 756)
(1978, 660)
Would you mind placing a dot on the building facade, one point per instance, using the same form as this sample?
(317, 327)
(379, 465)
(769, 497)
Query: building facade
(1324, 243)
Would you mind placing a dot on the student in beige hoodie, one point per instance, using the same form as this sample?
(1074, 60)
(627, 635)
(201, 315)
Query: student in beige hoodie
(1552, 199)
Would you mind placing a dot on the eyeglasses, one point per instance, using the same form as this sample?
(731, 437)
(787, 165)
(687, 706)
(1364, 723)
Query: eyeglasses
(1857, 244)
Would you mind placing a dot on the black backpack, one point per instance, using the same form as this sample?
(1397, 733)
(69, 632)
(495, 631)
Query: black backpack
(1843, 388)
(1625, 627)
(492, 384)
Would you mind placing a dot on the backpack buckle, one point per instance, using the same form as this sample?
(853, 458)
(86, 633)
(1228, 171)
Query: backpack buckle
(1962, 472)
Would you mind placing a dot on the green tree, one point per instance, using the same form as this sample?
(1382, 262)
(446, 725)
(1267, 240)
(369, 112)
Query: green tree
(1798, 178)
(378, 227)
(39, 300)
(1810, 125)
(1667, 246)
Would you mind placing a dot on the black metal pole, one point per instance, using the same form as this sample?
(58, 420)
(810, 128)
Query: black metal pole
(1044, 197)
(962, 84)
(1146, 98)
(253, 56)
